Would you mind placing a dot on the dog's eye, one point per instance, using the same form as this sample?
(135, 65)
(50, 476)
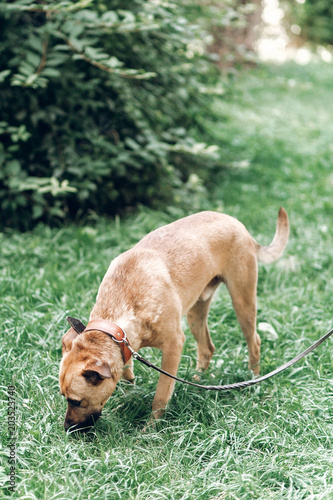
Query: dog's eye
(74, 402)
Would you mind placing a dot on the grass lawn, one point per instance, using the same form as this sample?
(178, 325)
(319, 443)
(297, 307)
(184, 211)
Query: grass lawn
(269, 442)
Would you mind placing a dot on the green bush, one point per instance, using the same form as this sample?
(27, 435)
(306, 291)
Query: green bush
(96, 105)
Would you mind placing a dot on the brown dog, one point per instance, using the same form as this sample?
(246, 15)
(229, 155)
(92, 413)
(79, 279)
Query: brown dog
(172, 271)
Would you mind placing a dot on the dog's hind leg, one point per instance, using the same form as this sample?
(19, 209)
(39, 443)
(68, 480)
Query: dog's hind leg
(197, 321)
(242, 287)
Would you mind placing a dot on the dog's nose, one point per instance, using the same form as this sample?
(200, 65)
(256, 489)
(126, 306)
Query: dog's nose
(82, 426)
(68, 424)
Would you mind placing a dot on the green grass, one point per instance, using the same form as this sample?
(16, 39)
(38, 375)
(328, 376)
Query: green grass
(268, 442)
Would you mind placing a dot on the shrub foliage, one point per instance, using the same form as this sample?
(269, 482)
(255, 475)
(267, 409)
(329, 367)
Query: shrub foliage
(96, 103)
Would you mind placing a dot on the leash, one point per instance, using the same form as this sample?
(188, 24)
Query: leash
(119, 336)
(237, 385)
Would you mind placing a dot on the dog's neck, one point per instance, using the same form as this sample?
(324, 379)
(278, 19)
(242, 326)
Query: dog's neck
(127, 322)
(131, 310)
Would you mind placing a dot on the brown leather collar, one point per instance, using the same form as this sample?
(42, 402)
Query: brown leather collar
(114, 331)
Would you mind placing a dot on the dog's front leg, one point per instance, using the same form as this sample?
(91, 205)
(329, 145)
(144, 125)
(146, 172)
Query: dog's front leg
(171, 353)
(128, 373)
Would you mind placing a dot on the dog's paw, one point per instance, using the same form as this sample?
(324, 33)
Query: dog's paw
(128, 374)
(150, 425)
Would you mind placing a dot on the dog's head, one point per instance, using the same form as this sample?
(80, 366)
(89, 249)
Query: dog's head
(87, 377)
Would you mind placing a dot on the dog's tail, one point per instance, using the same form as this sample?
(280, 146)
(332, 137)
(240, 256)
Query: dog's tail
(269, 254)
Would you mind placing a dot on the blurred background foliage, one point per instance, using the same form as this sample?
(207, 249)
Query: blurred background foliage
(309, 20)
(101, 100)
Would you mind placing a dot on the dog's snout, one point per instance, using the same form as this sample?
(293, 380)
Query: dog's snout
(83, 426)
(68, 424)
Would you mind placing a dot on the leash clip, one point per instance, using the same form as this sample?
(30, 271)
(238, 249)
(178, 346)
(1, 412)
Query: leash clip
(134, 353)
(125, 341)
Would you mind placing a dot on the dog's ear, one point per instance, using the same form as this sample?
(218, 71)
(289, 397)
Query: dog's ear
(77, 328)
(96, 371)
(76, 324)
(67, 340)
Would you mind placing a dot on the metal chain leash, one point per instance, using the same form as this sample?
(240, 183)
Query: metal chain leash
(236, 385)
